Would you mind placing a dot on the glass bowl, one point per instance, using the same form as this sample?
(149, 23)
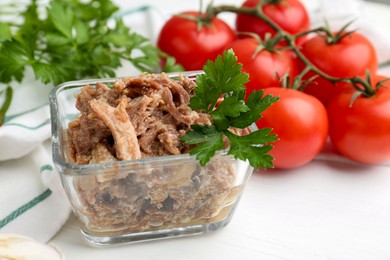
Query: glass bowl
(144, 199)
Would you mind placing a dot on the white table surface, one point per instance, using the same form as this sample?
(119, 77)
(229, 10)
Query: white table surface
(324, 210)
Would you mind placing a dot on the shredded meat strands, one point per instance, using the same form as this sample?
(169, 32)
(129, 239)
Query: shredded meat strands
(139, 117)
(117, 120)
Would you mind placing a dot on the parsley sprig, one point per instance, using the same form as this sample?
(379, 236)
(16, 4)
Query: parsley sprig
(70, 40)
(223, 78)
(75, 39)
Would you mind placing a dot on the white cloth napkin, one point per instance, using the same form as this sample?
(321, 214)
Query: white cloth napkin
(33, 202)
(23, 132)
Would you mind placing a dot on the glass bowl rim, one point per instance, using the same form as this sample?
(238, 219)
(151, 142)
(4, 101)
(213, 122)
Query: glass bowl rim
(85, 169)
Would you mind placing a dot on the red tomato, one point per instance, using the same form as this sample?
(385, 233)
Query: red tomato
(301, 123)
(264, 68)
(349, 57)
(361, 132)
(191, 46)
(290, 15)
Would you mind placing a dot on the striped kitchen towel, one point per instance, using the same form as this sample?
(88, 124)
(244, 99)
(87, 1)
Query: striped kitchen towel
(23, 132)
(32, 202)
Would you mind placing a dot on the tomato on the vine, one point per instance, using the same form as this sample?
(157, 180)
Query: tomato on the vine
(301, 123)
(290, 15)
(361, 130)
(192, 42)
(264, 67)
(349, 56)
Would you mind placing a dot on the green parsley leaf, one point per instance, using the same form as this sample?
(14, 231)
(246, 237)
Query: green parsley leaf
(5, 32)
(223, 78)
(231, 107)
(82, 34)
(251, 147)
(206, 94)
(13, 59)
(257, 104)
(62, 17)
(54, 40)
(209, 141)
(225, 73)
(46, 73)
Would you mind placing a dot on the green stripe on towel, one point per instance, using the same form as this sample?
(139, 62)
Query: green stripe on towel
(29, 127)
(140, 9)
(10, 117)
(46, 167)
(32, 203)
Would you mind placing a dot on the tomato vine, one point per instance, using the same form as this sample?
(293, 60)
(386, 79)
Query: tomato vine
(361, 84)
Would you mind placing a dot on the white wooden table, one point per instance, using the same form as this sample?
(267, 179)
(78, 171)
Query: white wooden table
(325, 210)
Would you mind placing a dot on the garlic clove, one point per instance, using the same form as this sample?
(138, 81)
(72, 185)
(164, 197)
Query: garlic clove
(14, 246)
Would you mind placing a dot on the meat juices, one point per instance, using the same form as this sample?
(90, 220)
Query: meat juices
(143, 117)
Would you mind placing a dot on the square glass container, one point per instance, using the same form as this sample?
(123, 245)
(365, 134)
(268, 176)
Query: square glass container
(144, 199)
